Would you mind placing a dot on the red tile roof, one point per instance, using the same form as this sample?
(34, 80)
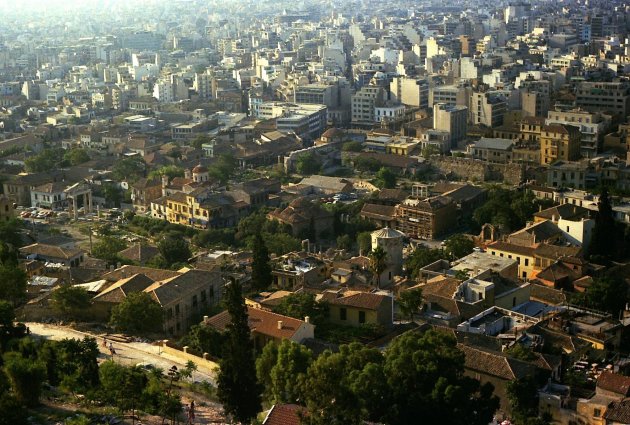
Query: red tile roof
(615, 383)
(261, 321)
(284, 414)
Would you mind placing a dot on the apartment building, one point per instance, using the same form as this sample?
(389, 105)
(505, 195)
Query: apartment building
(559, 142)
(363, 103)
(604, 97)
(487, 108)
(592, 126)
(452, 119)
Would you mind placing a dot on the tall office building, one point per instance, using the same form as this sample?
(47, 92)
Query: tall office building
(452, 119)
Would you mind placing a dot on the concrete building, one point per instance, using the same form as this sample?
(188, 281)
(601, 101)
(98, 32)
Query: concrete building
(452, 119)
(410, 91)
(487, 108)
(497, 151)
(426, 218)
(363, 103)
(604, 97)
(559, 142)
(592, 126)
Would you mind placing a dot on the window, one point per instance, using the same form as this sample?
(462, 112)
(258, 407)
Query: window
(362, 317)
(177, 311)
(194, 301)
(203, 295)
(513, 301)
(597, 413)
(526, 262)
(343, 314)
(169, 313)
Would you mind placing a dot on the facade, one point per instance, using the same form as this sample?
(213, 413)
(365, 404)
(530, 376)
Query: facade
(7, 211)
(498, 151)
(352, 308)
(452, 119)
(559, 143)
(487, 109)
(611, 98)
(363, 103)
(592, 125)
(410, 91)
(426, 218)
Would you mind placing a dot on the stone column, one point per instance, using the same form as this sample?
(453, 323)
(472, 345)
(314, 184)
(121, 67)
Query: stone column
(75, 207)
(89, 201)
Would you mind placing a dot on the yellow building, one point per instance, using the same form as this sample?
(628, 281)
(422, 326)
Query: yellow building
(559, 142)
(523, 255)
(214, 210)
(402, 147)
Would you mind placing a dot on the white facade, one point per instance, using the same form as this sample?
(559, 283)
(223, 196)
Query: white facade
(577, 232)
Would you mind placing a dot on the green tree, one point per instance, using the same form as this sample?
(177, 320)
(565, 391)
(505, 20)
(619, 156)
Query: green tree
(75, 363)
(223, 168)
(366, 164)
(137, 313)
(410, 302)
(602, 246)
(290, 369)
(26, 377)
(421, 257)
(108, 248)
(46, 160)
(113, 195)
(76, 156)
(458, 246)
(200, 140)
(364, 240)
(265, 362)
(281, 243)
(345, 387)
(429, 151)
(238, 389)
(129, 169)
(205, 339)
(70, 301)
(352, 146)
(10, 235)
(171, 171)
(522, 395)
(301, 305)
(174, 250)
(519, 351)
(11, 411)
(607, 293)
(12, 283)
(426, 376)
(344, 242)
(7, 315)
(378, 263)
(385, 178)
(308, 164)
(261, 266)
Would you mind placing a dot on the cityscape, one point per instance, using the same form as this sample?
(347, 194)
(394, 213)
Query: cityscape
(314, 212)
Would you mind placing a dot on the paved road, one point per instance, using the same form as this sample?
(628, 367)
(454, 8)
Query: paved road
(126, 353)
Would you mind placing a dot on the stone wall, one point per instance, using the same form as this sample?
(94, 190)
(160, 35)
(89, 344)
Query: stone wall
(475, 170)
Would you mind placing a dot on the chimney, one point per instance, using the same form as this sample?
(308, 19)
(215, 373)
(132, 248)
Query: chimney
(205, 319)
(307, 319)
(280, 324)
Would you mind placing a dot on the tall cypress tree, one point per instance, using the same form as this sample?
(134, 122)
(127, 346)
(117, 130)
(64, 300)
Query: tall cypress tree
(603, 242)
(261, 267)
(238, 388)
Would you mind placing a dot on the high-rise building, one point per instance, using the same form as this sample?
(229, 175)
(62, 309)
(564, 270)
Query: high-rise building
(604, 97)
(410, 91)
(487, 108)
(363, 102)
(452, 119)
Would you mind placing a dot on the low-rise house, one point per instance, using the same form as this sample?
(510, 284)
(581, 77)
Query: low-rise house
(305, 216)
(354, 308)
(72, 257)
(381, 215)
(292, 271)
(139, 253)
(266, 326)
(182, 294)
(498, 151)
(143, 192)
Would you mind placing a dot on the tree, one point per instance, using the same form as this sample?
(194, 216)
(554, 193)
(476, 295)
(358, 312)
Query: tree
(223, 168)
(265, 362)
(523, 397)
(205, 339)
(426, 378)
(345, 387)
(7, 315)
(410, 302)
(281, 243)
(200, 140)
(137, 313)
(171, 171)
(344, 242)
(352, 146)
(238, 388)
(261, 267)
(292, 363)
(378, 263)
(10, 235)
(301, 305)
(366, 164)
(385, 178)
(76, 156)
(108, 248)
(421, 257)
(604, 234)
(607, 293)
(46, 160)
(26, 377)
(458, 246)
(364, 240)
(74, 363)
(70, 301)
(129, 169)
(113, 195)
(430, 150)
(519, 351)
(308, 164)
(12, 284)
(174, 250)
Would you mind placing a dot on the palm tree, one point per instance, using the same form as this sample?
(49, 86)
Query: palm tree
(378, 263)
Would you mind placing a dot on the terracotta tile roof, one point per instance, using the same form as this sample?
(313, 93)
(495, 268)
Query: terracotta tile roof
(128, 271)
(556, 251)
(261, 321)
(379, 212)
(365, 300)
(618, 412)
(547, 295)
(167, 291)
(51, 251)
(565, 211)
(542, 231)
(284, 414)
(117, 292)
(512, 248)
(495, 364)
(615, 383)
(394, 194)
(139, 252)
(441, 286)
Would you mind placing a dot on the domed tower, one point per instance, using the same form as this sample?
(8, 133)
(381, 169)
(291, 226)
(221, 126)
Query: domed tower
(392, 243)
(200, 174)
